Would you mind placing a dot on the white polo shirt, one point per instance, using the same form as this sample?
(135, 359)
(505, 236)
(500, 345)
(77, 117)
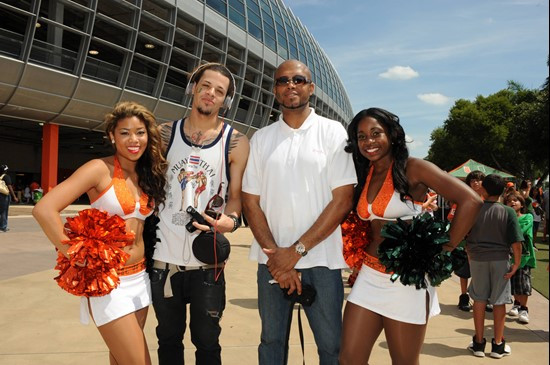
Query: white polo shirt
(294, 172)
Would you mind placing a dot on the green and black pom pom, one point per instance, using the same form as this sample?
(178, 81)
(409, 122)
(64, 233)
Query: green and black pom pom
(413, 252)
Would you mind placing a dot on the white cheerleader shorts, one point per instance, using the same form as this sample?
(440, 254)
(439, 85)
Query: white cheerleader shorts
(374, 291)
(132, 294)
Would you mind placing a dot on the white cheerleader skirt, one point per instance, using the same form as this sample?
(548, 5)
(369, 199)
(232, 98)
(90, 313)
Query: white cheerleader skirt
(375, 291)
(132, 294)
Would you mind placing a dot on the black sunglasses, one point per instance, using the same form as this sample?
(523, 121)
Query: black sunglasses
(296, 80)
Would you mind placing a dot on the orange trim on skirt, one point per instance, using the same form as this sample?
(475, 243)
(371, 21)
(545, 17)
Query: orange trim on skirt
(374, 263)
(132, 269)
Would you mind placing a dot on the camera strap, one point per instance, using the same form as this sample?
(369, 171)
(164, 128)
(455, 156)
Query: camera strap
(301, 333)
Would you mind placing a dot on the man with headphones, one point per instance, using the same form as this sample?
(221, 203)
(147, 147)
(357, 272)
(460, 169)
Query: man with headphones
(206, 160)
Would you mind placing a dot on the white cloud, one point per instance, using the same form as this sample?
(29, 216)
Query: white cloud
(416, 146)
(399, 73)
(434, 98)
(411, 141)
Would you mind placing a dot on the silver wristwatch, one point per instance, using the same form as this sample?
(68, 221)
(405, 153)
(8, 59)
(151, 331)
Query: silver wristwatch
(300, 248)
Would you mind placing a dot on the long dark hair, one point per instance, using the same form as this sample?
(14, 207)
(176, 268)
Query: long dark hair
(399, 151)
(518, 197)
(151, 166)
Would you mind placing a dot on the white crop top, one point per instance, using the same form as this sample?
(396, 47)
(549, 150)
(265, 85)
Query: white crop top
(388, 204)
(117, 198)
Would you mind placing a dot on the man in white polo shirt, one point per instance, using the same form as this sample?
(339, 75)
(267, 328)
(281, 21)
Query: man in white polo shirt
(297, 189)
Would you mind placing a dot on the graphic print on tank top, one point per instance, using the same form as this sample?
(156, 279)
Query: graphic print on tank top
(194, 174)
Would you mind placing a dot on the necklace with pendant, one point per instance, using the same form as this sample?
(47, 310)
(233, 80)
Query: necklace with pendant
(198, 140)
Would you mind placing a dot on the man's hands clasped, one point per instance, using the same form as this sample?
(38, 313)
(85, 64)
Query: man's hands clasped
(281, 262)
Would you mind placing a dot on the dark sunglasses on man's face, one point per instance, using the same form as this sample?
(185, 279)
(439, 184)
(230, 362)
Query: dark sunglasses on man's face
(296, 80)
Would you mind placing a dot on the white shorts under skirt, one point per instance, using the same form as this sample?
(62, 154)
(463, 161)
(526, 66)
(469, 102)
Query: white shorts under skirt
(374, 291)
(132, 294)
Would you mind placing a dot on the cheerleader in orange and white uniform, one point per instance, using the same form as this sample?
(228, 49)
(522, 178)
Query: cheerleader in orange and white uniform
(129, 184)
(393, 185)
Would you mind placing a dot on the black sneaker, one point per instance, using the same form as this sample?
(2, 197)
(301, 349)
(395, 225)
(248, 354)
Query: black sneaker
(498, 351)
(464, 303)
(488, 308)
(478, 349)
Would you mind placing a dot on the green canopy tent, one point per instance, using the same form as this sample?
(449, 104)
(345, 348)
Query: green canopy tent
(471, 165)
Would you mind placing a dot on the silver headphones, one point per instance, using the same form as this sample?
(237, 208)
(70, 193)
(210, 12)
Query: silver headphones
(228, 101)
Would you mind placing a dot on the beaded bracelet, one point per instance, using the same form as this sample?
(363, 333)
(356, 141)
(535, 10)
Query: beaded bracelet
(236, 221)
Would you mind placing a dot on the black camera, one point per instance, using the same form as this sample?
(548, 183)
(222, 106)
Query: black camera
(196, 217)
(306, 298)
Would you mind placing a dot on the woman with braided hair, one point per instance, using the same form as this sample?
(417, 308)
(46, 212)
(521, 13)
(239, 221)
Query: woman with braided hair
(393, 185)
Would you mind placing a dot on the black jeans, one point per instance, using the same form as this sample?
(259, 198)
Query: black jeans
(206, 297)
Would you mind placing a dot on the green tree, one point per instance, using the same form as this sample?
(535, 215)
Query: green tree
(507, 130)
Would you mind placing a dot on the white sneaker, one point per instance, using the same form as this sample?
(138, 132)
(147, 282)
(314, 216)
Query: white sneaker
(514, 312)
(523, 316)
(478, 349)
(498, 351)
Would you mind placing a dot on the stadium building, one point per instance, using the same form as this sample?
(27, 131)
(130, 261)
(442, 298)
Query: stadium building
(65, 63)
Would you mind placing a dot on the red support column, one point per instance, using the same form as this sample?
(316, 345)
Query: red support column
(50, 149)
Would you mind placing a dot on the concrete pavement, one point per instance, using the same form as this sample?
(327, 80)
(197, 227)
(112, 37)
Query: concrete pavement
(39, 322)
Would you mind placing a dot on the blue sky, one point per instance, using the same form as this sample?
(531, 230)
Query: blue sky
(415, 58)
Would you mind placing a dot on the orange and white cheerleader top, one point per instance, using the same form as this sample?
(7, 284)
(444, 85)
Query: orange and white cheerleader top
(117, 198)
(388, 204)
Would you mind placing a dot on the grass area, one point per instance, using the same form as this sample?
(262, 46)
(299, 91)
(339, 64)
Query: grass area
(539, 276)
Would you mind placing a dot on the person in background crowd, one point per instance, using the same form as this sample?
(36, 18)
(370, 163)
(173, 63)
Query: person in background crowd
(34, 185)
(27, 194)
(524, 190)
(5, 198)
(538, 211)
(521, 281)
(495, 233)
(18, 190)
(510, 188)
(473, 180)
(430, 204)
(546, 208)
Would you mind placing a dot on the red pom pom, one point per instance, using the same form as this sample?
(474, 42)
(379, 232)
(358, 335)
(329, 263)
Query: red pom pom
(355, 234)
(96, 239)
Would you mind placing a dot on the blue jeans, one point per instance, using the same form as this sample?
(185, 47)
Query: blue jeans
(324, 315)
(4, 207)
(206, 297)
